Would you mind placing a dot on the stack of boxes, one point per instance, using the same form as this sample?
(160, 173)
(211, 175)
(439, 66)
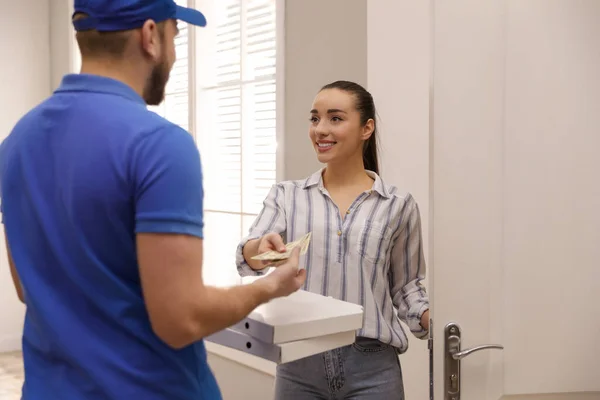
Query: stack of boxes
(294, 327)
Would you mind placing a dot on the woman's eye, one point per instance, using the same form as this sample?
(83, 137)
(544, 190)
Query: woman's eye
(336, 119)
(313, 119)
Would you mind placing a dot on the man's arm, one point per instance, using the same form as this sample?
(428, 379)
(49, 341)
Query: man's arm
(182, 309)
(13, 272)
(169, 228)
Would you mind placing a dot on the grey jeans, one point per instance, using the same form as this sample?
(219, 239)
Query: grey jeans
(365, 370)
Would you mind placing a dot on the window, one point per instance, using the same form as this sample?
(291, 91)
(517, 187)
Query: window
(222, 89)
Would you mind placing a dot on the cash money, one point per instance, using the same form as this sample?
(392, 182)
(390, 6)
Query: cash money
(277, 256)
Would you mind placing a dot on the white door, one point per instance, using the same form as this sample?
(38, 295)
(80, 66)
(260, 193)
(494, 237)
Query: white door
(515, 195)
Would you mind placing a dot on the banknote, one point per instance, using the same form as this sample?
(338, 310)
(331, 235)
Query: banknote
(303, 243)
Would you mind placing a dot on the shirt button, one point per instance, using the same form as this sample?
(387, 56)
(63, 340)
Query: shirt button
(348, 212)
(339, 233)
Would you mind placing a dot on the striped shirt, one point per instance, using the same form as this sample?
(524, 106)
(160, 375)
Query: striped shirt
(373, 257)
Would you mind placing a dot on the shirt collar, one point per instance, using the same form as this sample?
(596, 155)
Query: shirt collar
(316, 179)
(98, 84)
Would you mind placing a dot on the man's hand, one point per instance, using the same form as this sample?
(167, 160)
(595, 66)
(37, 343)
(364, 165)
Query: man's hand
(287, 278)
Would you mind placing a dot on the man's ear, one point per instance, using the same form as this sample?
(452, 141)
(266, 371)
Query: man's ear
(368, 129)
(150, 39)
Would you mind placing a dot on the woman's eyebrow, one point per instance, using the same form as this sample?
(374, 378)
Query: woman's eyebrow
(330, 111)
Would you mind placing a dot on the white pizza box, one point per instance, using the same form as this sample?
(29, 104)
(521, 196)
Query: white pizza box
(283, 352)
(299, 316)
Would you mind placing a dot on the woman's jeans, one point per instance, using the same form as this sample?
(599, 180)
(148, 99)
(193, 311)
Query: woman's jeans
(365, 370)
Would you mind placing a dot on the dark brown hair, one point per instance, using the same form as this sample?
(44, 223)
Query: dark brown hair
(366, 107)
(100, 44)
(93, 43)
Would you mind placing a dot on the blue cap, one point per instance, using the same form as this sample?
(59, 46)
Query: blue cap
(120, 15)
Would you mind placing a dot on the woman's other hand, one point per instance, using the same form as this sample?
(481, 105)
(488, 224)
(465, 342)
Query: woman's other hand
(425, 320)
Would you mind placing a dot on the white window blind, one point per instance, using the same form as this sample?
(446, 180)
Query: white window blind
(223, 89)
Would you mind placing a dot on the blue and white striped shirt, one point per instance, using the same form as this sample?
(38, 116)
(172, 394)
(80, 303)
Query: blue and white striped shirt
(373, 257)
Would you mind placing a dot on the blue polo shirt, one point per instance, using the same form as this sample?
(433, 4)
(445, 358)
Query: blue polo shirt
(80, 174)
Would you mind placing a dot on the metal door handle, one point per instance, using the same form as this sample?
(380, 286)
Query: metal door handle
(452, 355)
(462, 354)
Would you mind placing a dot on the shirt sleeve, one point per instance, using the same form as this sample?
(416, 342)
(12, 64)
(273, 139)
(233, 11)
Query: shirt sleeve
(167, 177)
(270, 219)
(408, 270)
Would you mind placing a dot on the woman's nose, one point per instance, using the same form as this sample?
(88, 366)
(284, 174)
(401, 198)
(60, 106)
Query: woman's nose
(321, 129)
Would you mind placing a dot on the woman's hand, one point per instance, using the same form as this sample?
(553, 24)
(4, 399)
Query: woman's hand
(425, 320)
(271, 242)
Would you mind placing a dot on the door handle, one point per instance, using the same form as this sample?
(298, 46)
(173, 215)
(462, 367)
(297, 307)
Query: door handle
(462, 354)
(453, 355)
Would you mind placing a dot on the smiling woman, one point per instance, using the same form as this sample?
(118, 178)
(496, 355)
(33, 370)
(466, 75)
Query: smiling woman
(366, 248)
(355, 107)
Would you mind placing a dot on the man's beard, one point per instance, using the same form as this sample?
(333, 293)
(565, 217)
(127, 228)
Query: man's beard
(154, 92)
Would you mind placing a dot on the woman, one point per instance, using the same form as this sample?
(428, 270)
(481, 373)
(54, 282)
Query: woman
(366, 248)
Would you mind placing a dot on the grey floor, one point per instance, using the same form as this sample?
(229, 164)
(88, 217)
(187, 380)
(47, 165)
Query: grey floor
(11, 376)
(11, 380)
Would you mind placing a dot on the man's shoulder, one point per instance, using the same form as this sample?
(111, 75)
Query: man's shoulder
(131, 121)
(34, 115)
(127, 114)
(167, 136)
(20, 130)
(144, 124)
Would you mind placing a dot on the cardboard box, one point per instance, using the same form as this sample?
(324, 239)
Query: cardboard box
(294, 327)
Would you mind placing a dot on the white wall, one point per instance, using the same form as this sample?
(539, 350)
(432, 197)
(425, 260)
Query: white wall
(64, 57)
(25, 69)
(321, 47)
(398, 77)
